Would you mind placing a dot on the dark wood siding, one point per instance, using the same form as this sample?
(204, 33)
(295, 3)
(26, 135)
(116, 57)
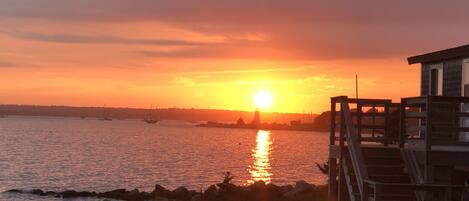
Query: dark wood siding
(424, 79)
(452, 77)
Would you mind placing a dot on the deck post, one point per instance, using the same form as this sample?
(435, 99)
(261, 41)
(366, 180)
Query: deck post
(465, 194)
(428, 171)
(378, 191)
(447, 194)
(387, 130)
(342, 195)
(359, 121)
(342, 187)
(342, 133)
(332, 188)
(402, 123)
(373, 119)
(366, 192)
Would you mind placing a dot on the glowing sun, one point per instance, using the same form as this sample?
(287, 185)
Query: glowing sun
(263, 99)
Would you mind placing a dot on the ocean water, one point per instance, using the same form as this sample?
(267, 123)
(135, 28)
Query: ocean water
(54, 153)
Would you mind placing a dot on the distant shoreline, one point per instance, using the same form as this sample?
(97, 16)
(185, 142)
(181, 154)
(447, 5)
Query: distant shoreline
(188, 114)
(269, 126)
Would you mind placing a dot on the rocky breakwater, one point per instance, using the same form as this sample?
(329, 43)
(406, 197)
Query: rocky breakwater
(225, 191)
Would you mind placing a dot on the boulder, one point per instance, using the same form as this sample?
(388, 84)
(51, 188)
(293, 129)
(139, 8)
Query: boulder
(14, 191)
(286, 188)
(69, 194)
(74, 194)
(50, 193)
(116, 194)
(134, 192)
(160, 199)
(161, 191)
(255, 187)
(36, 192)
(304, 185)
(193, 192)
(261, 191)
(210, 193)
(118, 191)
(146, 195)
(300, 187)
(227, 187)
(196, 197)
(273, 191)
(181, 193)
(136, 195)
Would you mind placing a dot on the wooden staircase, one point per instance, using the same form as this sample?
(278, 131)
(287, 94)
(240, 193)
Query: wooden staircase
(365, 167)
(383, 165)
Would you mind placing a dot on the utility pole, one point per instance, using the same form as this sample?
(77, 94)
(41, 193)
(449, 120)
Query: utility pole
(356, 86)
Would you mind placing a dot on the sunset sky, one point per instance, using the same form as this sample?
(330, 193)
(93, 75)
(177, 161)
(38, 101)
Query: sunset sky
(218, 54)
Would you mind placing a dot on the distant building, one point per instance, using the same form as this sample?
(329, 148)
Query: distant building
(257, 118)
(240, 122)
(295, 122)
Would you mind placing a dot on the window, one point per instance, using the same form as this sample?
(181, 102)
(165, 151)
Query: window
(436, 80)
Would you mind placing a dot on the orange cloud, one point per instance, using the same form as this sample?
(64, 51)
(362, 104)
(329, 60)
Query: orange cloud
(216, 54)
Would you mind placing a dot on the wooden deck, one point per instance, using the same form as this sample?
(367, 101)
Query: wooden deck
(381, 150)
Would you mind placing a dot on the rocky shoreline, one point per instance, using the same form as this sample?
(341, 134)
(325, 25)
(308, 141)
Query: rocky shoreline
(225, 191)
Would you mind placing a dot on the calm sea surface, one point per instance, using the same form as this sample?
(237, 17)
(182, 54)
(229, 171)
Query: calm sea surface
(87, 154)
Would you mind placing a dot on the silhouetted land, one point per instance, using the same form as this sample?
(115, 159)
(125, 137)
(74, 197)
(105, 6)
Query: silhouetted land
(320, 123)
(140, 113)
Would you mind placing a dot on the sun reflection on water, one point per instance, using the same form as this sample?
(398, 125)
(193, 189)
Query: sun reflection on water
(260, 169)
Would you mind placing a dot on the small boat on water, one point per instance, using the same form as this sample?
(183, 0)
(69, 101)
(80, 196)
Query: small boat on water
(106, 114)
(106, 119)
(150, 119)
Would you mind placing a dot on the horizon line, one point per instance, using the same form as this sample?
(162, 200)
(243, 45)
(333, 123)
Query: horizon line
(157, 108)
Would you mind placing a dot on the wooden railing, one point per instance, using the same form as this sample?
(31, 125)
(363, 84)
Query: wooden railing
(353, 142)
(372, 118)
(351, 130)
(438, 120)
(432, 120)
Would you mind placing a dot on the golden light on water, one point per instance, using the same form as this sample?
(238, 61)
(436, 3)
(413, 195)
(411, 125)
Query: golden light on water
(260, 169)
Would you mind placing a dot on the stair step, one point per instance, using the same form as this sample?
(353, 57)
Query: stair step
(383, 161)
(392, 197)
(398, 190)
(386, 170)
(379, 157)
(385, 178)
(386, 166)
(381, 152)
(383, 165)
(390, 178)
(379, 161)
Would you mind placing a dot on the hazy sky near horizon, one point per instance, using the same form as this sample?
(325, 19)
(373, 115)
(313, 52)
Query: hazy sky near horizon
(218, 53)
